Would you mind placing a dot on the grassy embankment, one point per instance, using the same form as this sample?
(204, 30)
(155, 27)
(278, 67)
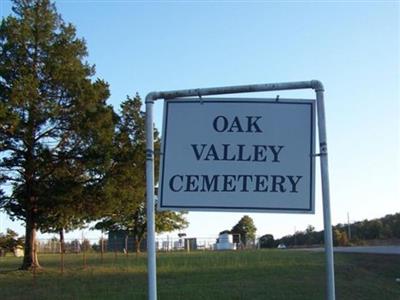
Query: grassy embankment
(269, 274)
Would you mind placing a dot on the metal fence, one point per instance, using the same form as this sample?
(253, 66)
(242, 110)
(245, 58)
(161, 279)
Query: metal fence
(128, 244)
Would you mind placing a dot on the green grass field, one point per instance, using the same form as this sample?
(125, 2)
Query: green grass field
(263, 274)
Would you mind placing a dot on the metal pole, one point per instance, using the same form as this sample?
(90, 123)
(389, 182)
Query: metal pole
(330, 275)
(348, 226)
(313, 84)
(251, 88)
(151, 252)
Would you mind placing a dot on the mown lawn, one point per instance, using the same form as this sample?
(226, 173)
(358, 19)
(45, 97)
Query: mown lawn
(262, 274)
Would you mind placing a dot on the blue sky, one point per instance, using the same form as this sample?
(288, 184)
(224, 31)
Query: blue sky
(351, 46)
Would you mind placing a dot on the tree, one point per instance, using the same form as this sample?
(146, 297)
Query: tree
(10, 240)
(393, 224)
(311, 236)
(340, 237)
(126, 180)
(86, 245)
(267, 241)
(71, 203)
(310, 229)
(55, 126)
(246, 229)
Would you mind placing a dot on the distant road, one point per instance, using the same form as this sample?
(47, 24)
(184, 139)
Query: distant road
(362, 249)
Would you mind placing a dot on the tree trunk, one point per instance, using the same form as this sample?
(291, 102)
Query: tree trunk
(102, 248)
(62, 241)
(137, 244)
(62, 250)
(30, 254)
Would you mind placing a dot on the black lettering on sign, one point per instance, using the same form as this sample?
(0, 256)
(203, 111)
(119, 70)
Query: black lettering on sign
(245, 124)
(235, 126)
(220, 124)
(252, 122)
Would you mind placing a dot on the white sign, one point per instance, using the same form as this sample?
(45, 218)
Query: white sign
(238, 155)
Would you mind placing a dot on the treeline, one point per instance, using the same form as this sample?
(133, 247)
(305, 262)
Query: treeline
(387, 227)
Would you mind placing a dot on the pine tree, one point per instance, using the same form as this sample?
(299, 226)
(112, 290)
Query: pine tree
(55, 125)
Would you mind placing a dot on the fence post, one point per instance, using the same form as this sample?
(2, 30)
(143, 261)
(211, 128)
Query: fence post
(102, 248)
(62, 257)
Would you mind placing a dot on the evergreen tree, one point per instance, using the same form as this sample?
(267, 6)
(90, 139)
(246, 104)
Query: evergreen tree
(55, 126)
(127, 178)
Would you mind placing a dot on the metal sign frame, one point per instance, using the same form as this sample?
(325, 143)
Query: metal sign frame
(323, 155)
(267, 104)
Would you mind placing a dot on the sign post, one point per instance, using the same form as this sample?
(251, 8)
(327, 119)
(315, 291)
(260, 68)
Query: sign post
(257, 150)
